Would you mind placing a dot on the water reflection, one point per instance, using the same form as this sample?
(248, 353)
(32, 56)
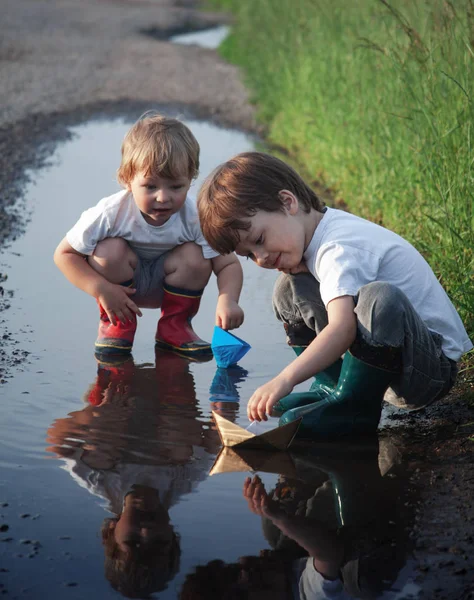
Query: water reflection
(209, 38)
(139, 444)
(337, 528)
(224, 391)
(336, 521)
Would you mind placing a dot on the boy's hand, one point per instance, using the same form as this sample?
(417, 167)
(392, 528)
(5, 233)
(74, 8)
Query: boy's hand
(229, 315)
(263, 399)
(259, 501)
(115, 300)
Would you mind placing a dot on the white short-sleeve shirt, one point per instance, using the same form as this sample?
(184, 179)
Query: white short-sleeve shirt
(348, 252)
(119, 216)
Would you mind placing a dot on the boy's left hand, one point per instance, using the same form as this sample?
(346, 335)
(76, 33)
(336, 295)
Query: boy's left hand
(229, 315)
(266, 396)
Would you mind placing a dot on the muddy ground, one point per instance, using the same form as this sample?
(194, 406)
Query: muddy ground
(62, 62)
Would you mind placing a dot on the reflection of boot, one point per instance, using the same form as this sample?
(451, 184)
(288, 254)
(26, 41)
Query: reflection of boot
(323, 385)
(174, 330)
(355, 477)
(115, 370)
(175, 381)
(353, 408)
(115, 339)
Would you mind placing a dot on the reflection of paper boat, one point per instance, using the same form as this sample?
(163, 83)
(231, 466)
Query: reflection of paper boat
(232, 460)
(277, 439)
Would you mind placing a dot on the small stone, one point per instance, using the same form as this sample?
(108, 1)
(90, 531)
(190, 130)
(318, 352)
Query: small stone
(4, 527)
(24, 515)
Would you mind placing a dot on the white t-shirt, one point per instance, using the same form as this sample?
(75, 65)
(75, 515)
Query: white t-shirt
(171, 481)
(311, 585)
(119, 216)
(348, 252)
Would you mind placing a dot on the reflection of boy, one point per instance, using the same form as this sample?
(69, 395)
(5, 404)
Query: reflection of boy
(327, 537)
(128, 448)
(143, 246)
(141, 547)
(348, 284)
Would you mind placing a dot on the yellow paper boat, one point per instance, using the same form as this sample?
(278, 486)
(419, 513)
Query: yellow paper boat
(233, 435)
(235, 460)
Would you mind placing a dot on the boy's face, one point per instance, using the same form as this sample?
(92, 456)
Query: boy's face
(275, 240)
(158, 198)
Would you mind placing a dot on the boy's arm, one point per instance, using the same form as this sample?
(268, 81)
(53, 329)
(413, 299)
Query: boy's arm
(229, 275)
(114, 298)
(323, 351)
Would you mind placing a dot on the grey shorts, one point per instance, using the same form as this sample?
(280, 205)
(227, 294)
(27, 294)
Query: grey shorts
(385, 317)
(148, 281)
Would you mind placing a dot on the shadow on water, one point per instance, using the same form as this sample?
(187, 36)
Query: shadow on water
(104, 467)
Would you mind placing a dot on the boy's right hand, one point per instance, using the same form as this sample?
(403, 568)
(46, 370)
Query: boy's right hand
(115, 300)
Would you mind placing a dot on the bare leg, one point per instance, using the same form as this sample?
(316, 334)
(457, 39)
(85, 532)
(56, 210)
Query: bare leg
(186, 267)
(186, 275)
(114, 259)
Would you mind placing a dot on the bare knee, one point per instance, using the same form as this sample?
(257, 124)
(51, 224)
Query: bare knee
(114, 259)
(186, 267)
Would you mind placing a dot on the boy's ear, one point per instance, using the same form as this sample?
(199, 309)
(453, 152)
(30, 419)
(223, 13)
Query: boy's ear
(289, 201)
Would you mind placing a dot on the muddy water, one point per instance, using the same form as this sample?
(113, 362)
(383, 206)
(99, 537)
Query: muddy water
(83, 444)
(209, 38)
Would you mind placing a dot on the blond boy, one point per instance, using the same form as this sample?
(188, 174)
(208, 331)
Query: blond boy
(143, 247)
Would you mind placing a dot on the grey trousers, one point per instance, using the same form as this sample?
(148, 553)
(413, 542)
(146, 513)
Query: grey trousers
(385, 317)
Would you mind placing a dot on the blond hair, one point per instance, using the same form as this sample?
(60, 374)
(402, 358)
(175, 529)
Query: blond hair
(242, 186)
(159, 146)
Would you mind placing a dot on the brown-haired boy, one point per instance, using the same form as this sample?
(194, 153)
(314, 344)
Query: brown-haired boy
(143, 247)
(350, 288)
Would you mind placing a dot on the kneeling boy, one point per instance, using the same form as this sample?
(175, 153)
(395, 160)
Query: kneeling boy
(349, 288)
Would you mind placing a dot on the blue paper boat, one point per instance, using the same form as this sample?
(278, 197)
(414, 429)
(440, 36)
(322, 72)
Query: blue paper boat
(228, 349)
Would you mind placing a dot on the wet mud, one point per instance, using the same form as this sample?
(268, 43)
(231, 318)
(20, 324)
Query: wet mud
(60, 71)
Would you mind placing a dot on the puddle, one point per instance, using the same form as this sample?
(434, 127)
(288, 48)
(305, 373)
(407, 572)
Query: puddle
(104, 468)
(209, 38)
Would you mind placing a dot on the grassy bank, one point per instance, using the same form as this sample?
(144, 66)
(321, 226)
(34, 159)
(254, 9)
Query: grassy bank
(374, 100)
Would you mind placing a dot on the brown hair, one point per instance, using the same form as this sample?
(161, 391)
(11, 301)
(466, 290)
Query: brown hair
(159, 146)
(241, 187)
(139, 572)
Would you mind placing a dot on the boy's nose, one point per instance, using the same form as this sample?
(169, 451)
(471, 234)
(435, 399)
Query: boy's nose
(161, 196)
(261, 257)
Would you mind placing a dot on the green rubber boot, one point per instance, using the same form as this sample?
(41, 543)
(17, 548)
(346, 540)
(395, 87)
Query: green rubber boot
(354, 406)
(323, 384)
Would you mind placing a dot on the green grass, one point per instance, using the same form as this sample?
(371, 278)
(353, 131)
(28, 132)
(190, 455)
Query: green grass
(375, 101)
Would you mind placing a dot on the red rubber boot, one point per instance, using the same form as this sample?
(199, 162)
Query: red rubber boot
(115, 339)
(174, 331)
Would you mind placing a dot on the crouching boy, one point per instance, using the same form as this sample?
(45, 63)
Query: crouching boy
(361, 307)
(143, 247)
